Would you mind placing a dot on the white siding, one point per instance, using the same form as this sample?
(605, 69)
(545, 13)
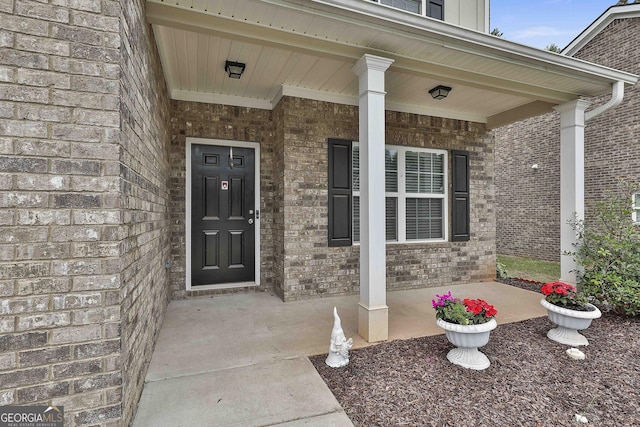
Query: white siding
(473, 14)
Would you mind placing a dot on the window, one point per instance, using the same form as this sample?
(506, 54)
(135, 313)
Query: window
(416, 194)
(408, 5)
(430, 8)
(435, 9)
(636, 208)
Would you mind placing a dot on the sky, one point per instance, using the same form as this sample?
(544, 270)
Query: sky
(543, 22)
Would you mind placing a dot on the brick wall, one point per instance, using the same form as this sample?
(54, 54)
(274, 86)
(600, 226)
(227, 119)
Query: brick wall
(144, 198)
(192, 119)
(311, 268)
(612, 148)
(82, 206)
(314, 269)
(429, 265)
(296, 261)
(278, 160)
(528, 201)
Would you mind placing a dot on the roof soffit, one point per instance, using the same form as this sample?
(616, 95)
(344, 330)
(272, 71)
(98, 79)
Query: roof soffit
(419, 46)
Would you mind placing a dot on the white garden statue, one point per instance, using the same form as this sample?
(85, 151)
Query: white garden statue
(339, 345)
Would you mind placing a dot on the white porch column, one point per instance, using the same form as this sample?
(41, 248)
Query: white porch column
(571, 181)
(373, 313)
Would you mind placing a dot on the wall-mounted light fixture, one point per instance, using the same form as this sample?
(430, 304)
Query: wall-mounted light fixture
(234, 69)
(440, 92)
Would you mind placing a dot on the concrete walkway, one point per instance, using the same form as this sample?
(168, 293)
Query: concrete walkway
(241, 360)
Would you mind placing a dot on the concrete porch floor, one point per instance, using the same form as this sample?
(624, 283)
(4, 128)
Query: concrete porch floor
(241, 360)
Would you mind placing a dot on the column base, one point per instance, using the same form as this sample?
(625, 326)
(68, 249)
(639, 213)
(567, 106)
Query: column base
(568, 269)
(373, 323)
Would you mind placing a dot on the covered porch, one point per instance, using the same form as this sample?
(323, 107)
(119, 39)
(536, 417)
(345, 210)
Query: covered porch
(242, 359)
(364, 63)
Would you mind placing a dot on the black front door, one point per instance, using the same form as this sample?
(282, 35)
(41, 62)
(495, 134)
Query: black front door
(223, 215)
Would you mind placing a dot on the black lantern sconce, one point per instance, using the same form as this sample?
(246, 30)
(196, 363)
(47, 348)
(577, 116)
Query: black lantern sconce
(440, 92)
(234, 69)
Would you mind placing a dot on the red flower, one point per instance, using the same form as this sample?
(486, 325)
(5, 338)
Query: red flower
(480, 307)
(558, 288)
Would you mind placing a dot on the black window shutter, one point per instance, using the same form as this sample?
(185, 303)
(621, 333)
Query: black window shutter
(460, 210)
(435, 9)
(340, 193)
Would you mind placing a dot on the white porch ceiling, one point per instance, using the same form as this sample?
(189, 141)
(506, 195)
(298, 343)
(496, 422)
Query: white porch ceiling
(306, 48)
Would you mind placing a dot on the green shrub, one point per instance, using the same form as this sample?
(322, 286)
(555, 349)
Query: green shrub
(501, 270)
(608, 251)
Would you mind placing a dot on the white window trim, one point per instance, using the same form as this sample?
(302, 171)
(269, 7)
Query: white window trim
(635, 206)
(401, 195)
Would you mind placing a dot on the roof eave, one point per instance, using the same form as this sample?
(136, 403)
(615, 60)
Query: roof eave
(609, 15)
(460, 38)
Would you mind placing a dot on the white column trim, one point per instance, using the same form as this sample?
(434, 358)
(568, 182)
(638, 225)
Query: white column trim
(373, 323)
(371, 63)
(572, 123)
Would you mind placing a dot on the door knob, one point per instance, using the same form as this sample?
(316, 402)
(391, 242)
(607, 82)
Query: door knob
(250, 220)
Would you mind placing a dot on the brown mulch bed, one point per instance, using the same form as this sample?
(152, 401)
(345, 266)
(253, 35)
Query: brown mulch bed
(531, 380)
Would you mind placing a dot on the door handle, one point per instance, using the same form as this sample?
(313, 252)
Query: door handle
(250, 220)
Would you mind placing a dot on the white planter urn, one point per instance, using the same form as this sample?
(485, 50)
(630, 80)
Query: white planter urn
(569, 323)
(467, 339)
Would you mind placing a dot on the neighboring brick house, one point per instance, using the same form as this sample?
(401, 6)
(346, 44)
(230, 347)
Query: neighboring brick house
(527, 199)
(127, 152)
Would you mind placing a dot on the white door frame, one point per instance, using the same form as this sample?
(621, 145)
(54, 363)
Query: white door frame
(187, 196)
